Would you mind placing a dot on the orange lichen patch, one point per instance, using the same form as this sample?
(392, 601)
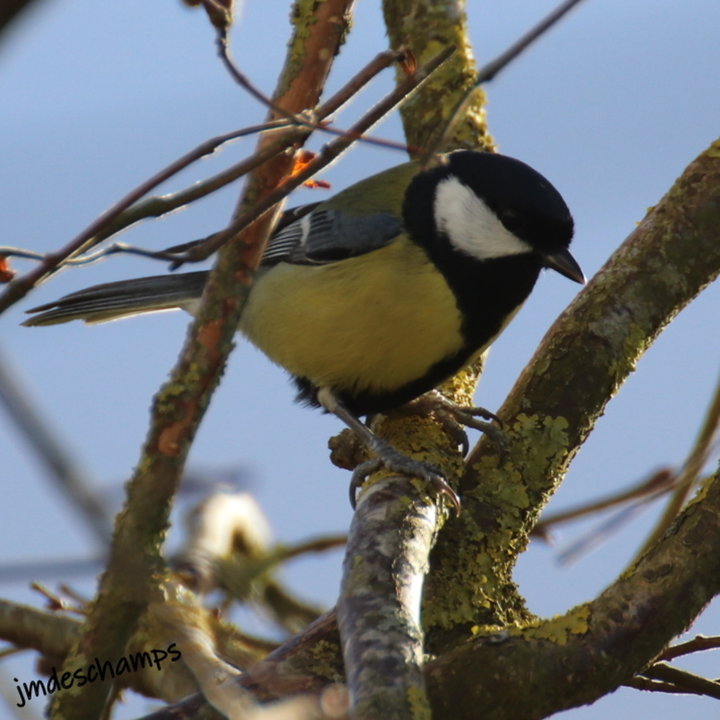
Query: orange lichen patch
(6, 272)
(209, 335)
(302, 160)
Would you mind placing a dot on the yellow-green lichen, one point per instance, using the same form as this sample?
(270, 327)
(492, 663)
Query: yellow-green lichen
(560, 628)
(714, 150)
(418, 702)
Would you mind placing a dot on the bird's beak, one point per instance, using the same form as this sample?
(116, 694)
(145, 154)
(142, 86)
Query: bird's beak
(565, 264)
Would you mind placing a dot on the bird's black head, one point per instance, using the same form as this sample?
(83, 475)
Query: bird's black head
(487, 207)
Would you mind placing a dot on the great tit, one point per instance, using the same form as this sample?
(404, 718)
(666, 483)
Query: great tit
(385, 290)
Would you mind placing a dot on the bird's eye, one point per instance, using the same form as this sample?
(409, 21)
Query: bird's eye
(513, 220)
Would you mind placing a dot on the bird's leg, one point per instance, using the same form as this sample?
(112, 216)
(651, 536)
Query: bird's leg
(454, 417)
(385, 454)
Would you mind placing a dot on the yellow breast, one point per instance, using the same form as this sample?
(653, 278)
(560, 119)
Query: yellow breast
(374, 322)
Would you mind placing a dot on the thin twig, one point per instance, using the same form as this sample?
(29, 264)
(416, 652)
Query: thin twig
(157, 206)
(697, 644)
(55, 601)
(19, 287)
(243, 81)
(89, 258)
(60, 568)
(693, 465)
(489, 71)
(648, 685)
(380, 62)
(596, 536)
(328, 154)
(685, 680)
(132, 209)
(647, 489)
(315, 545)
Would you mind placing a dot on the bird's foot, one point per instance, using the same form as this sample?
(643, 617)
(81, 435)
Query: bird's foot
(455, 417)
(387, 457)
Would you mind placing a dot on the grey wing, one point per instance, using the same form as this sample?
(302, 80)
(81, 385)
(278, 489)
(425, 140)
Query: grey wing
(328, 235)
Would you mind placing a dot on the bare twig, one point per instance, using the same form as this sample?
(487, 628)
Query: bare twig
(608, 527)
(697, 644)
(19, 287)
(314, 545)
(489, 71)
(244, 81)
(692, 467)
(636, 498)
(157, 206)
(658, 483)
(686, 681)
(60, 568)
(55, 601)
(329, 153)
(89, 258)
(124, 214)
(647, 685)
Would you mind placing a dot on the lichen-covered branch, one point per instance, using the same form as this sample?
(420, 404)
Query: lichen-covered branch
(591, 650)
(51, 634)
(666, 261)
(546, 666)
(378, 611)
(425, 26)
(587, 354)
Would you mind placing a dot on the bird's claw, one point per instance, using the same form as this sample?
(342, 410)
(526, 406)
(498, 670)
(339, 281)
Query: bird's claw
(453, 417)
(494, 434)
(396, 462)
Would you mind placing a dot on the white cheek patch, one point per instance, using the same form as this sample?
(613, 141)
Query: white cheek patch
(470, 225)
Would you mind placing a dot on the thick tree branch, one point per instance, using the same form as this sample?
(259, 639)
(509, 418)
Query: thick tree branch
(378, 612)
(422, 26)
(581, 363)
(590, 651)
(604, 642)
(543, 668)
(666, 261)
(181, 403)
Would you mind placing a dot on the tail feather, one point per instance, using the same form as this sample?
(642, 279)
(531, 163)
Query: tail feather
(114, 300)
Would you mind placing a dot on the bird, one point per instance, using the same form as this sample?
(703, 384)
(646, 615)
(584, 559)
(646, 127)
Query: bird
(380, 293)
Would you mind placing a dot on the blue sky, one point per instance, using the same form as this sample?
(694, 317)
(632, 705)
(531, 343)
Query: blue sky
(611, 105)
